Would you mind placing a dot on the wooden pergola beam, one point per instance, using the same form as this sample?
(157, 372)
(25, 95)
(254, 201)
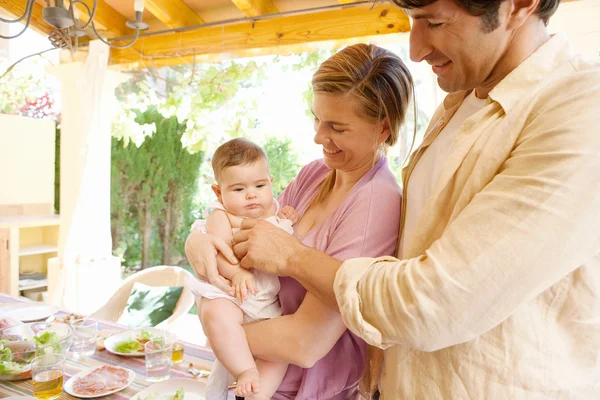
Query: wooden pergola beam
(173, 13)
(108, 17)
(254, 8)
(16, 8)
(339, 24)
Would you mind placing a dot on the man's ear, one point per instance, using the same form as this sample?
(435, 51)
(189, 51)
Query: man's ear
(215, 188)
(520, 11)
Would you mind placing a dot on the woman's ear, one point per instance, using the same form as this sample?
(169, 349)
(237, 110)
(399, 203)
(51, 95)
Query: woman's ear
(385, 131)
(215, 188)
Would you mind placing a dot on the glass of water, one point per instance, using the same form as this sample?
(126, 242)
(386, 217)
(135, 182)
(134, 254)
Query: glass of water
(85, 333)
(158, 360)
(47, 374)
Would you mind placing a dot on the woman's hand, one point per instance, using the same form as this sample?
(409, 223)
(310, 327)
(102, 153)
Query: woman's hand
(201, 250)
(266, 247)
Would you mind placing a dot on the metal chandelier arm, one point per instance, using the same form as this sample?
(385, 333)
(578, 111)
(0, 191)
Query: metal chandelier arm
(91, 13)
(28, 12)
(132, 41)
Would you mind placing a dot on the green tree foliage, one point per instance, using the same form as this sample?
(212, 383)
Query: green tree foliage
(283, 162)
(170, 119)
(18, 88)
(152, 192)
(310, 61)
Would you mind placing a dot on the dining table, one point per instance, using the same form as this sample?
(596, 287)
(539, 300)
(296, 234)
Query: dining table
(201, 358)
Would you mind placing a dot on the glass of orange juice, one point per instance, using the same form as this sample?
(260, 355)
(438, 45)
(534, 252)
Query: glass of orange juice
(47, 373)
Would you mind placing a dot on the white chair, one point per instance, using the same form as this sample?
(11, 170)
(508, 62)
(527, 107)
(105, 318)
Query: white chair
(154, 276)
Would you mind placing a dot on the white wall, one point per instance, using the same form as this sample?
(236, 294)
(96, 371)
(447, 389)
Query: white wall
(26, 160)
(580, 20)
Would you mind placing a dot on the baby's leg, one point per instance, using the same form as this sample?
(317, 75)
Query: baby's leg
(271, 376)
(222, 323)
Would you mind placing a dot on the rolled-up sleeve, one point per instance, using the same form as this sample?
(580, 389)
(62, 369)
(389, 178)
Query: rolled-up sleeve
(349, 299)
(533, 224)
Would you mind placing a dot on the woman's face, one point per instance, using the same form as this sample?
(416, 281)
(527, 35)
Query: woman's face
(349, 141)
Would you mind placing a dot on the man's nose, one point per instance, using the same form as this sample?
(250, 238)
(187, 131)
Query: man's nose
(419, 42)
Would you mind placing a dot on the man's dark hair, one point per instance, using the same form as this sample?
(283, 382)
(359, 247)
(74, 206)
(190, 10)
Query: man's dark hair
(486, 9)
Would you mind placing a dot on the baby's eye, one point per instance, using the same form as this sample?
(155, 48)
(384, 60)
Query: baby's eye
(262, 185)
(238, 189)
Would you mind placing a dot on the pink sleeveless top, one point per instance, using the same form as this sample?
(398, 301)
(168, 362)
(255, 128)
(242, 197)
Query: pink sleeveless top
(365, 225)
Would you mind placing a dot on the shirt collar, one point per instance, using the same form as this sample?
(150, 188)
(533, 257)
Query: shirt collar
(534, 70)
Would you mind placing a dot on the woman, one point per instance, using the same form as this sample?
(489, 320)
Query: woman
(348, 204)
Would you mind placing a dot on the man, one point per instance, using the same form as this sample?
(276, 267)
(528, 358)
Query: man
(496, 293)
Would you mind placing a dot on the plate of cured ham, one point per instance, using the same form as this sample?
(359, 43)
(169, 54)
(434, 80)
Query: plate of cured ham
(99, 381)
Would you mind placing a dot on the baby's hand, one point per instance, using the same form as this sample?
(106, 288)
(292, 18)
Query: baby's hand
(289, 212)
(242, 283)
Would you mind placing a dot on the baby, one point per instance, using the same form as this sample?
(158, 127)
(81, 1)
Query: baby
(244, 191)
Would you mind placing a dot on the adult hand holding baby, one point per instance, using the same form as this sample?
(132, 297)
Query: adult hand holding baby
(261, 245)
(200, 249)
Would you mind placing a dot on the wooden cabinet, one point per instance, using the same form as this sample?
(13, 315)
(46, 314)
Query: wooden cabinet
(4, 261)
(27, 243)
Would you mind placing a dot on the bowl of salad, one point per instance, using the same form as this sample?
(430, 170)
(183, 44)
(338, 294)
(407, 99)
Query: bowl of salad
(20, 344)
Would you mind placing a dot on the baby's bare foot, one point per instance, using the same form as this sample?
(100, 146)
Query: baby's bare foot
(248, 383)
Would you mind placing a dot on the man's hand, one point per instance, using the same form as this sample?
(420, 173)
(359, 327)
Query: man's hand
(201, 250)
(289, 212)
(261, 245)
(242, 283)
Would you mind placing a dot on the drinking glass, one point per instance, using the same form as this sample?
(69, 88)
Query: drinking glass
(158, 355)
(47, 373)
(85, 333)
(177, 352)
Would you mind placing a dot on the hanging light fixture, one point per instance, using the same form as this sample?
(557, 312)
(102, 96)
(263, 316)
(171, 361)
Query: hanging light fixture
(69, 28)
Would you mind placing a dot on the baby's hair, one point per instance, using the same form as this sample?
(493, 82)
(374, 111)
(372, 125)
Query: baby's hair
(237, 151)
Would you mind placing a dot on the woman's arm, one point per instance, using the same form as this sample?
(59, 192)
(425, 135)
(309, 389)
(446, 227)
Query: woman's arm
(316, 326)
(313, 330)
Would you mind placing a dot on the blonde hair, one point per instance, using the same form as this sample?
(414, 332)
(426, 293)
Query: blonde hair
(378, 79)
(237, 151)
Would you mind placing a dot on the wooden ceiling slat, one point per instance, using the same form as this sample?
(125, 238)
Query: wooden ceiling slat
(16, 8)
(339, 24)
(173, 13)
(108, 17)
(254, 8)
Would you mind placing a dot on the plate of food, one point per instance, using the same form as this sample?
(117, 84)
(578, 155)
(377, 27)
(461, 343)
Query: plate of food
(99, 381)
(20, 344)
(7, 322)
(131, 342)
(27, 312)
(173, 389)
(66, 318)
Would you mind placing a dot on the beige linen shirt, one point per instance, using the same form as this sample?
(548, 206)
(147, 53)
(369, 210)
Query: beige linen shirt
(498, 294)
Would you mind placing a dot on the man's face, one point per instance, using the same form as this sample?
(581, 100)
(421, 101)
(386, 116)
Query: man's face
(457, 45)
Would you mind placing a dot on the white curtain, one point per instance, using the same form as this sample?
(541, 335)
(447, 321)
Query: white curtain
(88, 273)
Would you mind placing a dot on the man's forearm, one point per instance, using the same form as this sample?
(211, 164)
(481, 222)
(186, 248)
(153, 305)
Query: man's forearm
(315, 271)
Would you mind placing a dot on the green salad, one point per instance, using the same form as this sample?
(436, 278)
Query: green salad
(135, 345)
(48, 339)
(179, 395)
(10, 368)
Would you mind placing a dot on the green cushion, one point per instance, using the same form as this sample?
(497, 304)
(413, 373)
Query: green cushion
(149, 305)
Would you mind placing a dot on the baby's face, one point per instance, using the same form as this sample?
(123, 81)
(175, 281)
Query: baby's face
(246, 189)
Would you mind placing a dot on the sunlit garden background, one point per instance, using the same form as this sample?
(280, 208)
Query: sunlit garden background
(172, 119)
